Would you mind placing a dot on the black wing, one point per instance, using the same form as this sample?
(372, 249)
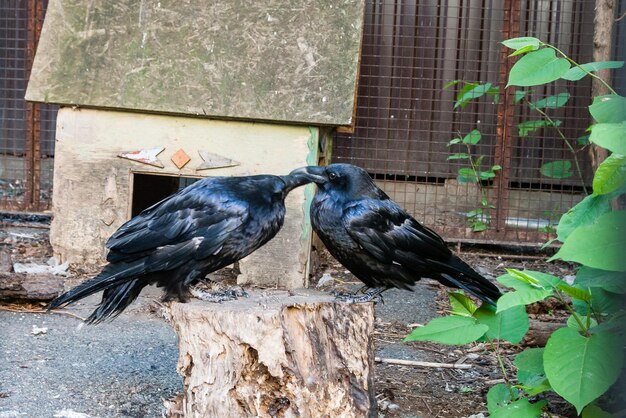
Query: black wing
(195, 221)
(393, 237)
(388, 232)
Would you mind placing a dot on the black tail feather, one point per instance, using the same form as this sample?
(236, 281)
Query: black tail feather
(111, 276)
(482, 288)
(115, 300)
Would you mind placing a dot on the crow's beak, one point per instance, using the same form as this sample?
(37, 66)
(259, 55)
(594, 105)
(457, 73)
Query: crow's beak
(312, 173)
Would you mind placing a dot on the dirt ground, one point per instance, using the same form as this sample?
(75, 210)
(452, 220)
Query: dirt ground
(402, 390)
(407, 391)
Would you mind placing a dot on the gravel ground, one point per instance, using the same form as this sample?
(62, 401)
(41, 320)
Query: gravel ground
(123, 368)
(52, 366)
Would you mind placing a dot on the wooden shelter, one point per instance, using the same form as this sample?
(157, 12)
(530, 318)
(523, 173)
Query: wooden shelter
(156, 91)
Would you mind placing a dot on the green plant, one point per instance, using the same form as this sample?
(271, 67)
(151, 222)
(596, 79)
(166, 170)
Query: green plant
(583, 358)
(478, 218)
(558, 169)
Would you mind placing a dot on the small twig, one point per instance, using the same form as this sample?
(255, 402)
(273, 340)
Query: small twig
(621, 17)
(430, 411)
(42, 311)
(506, 256)
(494, 381)
(479, 347)
(422, 363)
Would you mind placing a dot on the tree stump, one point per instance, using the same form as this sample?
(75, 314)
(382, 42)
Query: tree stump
(275, 354)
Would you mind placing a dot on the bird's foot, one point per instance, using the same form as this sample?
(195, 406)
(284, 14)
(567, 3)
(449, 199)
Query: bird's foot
(220, 296)
(372, 295)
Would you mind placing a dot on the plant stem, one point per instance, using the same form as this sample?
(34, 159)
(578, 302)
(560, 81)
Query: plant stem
(559, 296)
(502, 368)
(582, 68)
(569, 145)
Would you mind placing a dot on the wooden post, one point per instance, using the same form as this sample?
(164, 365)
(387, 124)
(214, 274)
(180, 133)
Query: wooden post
(604, 21)
(275, 354)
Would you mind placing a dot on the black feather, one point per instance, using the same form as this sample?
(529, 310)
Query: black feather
(378, 241)
(204, 227)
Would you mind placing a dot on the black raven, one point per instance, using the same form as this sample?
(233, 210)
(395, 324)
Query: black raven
(208, 225)
(378, 241)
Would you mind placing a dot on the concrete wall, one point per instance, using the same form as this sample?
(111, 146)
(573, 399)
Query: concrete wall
(93, 187)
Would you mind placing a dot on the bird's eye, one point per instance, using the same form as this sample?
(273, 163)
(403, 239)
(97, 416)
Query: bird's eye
(332, 176)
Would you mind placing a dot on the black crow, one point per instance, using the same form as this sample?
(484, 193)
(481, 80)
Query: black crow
(175, 243)
(378, 241)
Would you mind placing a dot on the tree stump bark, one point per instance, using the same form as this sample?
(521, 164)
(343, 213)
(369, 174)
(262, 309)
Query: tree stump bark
(275, 354)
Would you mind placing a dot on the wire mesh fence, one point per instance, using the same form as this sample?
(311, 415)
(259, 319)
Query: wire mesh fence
(26, 129)
(419, 58)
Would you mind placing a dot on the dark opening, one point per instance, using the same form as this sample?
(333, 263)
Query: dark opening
(149, 189)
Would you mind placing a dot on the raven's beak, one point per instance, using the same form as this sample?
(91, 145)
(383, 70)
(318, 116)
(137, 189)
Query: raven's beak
(312, 173)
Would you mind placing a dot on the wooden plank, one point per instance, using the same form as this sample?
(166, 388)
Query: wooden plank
(271, 60)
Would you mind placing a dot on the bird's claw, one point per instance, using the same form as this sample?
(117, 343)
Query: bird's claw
(372, 295)
(233, 293)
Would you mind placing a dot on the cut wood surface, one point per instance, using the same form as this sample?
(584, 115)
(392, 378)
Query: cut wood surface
(275, 354)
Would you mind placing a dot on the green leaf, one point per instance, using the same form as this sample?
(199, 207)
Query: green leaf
(461, 304)
(611, 281)
(486, 175)
(602, 302)
(475, 212)
(467, 86)
(451, 330)
(608, 109)
(519, 95)
(561, 169)
(524, 128)
(522, 297)
(454, 141)
(574, 292)
(472, 137)
(450, 84)
(552, 102)
(467, 175)
(538, 67)
(584, 213)
(573, 323)
(530, 373)
(530, 286)
(610, 175)
(611, 136)
(521, 408)
(510, 325)
(579, 368)
(471, 94)
(600, 245)
(523, 50)
(499, 396)
(615, 324)
(576, 73)
(583, 140)
(478, 226)
(459, 156)
(522, 42)
(536, 279)
(594, 411)
(529, 361)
